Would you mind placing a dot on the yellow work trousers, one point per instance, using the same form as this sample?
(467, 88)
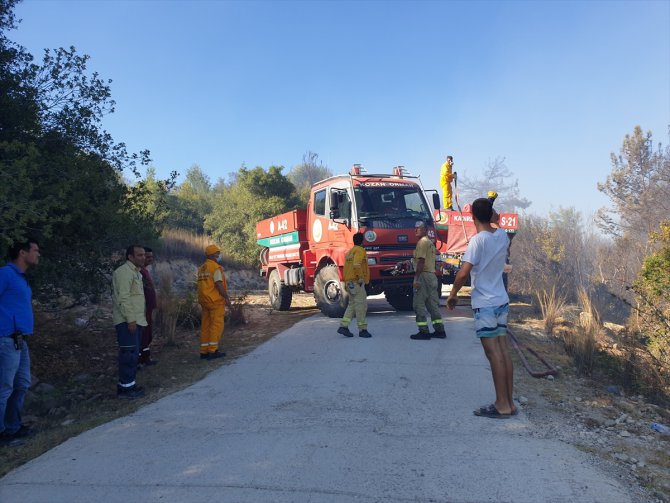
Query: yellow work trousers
(446, 196)
(358, 306)
(211, 329)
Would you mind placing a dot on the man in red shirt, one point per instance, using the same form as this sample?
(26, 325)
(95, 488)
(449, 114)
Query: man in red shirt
(150, 299)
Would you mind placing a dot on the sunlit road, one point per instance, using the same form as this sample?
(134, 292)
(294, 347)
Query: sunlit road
(312, 416)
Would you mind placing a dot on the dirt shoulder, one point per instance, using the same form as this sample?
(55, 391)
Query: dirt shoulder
(593, 414)
(74, 363)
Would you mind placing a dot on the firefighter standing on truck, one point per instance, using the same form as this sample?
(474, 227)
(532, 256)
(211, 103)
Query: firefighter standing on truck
(446, 177)
(356, 276)
(426, 299)
(212, 297)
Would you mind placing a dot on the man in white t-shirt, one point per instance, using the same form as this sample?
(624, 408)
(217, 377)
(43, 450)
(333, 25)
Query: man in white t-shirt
(484, 261)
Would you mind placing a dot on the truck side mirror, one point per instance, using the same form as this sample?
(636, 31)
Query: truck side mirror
(334, 212)
(436, 201)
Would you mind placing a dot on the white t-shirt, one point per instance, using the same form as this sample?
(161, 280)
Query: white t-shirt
(487, 253)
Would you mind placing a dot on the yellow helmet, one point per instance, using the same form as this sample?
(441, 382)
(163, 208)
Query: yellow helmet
(492, 195)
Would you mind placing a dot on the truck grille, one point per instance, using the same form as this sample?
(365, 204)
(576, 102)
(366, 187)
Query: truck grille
(394, 258)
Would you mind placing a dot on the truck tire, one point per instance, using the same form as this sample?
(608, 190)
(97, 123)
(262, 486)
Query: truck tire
(329, 293)
(280, 294)
(400, 299)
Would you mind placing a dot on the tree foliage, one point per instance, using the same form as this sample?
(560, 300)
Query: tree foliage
(552, 252)
(60, 172)
(252, 195)
(636, 265)
(653, 290)
(499, 178)
(637, 188)
(306, 174)
(191, 201)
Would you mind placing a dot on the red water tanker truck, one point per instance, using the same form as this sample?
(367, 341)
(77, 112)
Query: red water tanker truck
(303, 250)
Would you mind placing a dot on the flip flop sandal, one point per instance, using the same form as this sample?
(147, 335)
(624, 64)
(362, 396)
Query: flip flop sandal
(491, 412)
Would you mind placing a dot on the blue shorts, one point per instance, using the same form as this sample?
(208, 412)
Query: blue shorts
(491, 321)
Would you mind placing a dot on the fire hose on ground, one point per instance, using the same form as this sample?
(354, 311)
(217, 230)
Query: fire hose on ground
(551, 371)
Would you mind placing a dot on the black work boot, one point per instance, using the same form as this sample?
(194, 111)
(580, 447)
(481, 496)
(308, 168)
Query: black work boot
(439, 332)
(364, 333)
(129, 393)
(421, 335)
(345, 331)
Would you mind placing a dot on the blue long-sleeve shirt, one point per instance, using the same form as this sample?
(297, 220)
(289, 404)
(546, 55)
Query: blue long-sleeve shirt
(16, 310)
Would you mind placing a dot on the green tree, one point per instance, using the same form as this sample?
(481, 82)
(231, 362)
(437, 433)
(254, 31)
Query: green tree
(637, 188)
(60, 172)
(191, 201)
(253, 195)
(653, 290)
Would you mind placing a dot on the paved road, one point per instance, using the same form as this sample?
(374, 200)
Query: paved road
(311, 416)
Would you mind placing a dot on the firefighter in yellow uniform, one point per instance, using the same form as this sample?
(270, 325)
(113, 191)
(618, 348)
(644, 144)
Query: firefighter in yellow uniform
(356, 276)
(212, 297)
(446, 177)
(426, 299)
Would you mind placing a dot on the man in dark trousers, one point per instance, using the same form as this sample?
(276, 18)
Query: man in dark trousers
(150, 300)
(129, 319)
(16, 325)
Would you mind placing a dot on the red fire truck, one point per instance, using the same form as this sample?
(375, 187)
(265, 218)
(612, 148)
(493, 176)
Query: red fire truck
(303, 250)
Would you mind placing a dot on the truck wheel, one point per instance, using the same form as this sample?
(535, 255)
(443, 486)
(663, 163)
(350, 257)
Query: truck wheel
(280, 294)
(329, 292)
(400, 299)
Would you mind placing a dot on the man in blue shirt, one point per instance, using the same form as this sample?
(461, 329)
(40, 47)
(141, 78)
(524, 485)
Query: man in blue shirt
(16, 324)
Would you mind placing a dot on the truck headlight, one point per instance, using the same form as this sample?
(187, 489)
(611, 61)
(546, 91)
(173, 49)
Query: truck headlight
(372, 261)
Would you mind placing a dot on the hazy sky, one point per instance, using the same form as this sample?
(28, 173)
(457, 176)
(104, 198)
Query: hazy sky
(552, 87)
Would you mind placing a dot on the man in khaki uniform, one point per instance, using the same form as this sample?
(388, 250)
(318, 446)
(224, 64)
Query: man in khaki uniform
(356, 276)
(129, 315)
(426, 299)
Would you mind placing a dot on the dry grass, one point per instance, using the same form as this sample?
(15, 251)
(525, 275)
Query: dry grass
(551, 306)
(581, 341)
(183, 244)
(168, 308)
(189, 245)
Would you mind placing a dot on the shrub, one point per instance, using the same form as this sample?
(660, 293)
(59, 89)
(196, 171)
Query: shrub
(585, 335)
(551, 306)
(235, 314)
(168, 308)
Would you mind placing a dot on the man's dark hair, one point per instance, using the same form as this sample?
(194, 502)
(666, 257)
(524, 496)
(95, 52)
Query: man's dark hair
(147, 249)
(16, 248)
(450, 158)
(131, 250)
(358, 239)
(482, 210)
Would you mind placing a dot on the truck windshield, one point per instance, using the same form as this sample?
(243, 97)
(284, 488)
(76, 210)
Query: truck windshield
(402, 205)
